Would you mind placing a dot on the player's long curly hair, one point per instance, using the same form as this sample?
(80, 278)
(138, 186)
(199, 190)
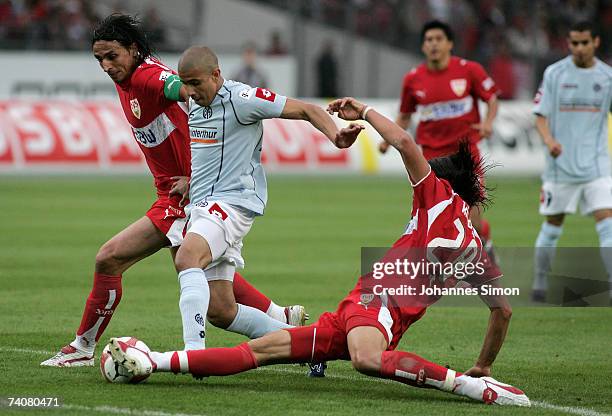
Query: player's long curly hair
(126, 30)
(464, 174)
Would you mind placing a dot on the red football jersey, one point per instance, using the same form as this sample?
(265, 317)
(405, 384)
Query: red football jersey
(440, 231)
(159, 125)
(447, 102)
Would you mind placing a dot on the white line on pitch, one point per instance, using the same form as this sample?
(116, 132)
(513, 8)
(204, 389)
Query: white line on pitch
(581, 411)
(123, 411)
(24, 350)
(568, 409)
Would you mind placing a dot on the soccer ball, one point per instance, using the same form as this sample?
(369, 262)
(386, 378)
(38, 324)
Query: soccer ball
(116, 373)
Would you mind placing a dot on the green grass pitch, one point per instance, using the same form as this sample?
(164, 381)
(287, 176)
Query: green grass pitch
(304, 250)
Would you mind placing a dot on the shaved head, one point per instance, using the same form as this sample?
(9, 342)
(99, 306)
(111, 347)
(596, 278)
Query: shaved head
(199, 72)
(198, 58)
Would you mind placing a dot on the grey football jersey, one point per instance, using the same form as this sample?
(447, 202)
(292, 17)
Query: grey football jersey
(226, 142)
(576, 102)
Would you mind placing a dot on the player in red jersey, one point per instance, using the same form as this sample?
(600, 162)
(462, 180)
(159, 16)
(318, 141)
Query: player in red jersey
(367, 327)
(445, 91)
(149, 92)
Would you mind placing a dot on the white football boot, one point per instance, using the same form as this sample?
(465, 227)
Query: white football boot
(69, 356)
(490, 391)
(296, 315)
(135, 360)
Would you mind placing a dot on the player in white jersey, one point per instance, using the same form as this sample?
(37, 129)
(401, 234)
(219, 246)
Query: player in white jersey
(571, 109)
(228, 189)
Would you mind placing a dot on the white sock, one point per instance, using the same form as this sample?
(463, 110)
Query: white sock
(80, 344)
(546, 245)
(277, 312)
(254, 323)
(162, 360)
(604, 230)
(193, 302)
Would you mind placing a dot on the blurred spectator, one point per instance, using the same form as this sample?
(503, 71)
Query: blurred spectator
(501, 69)
(524, 41)
(440, 10)
(249, 74)
(464, 21)
(6, 18)
(578, 11)
(75, 24)
(534, 31)
(154, 27)
(276, 46)
(327, 71)
(62, 24)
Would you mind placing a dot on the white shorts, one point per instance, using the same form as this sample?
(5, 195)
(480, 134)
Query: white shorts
(223, 226)
(564, 198)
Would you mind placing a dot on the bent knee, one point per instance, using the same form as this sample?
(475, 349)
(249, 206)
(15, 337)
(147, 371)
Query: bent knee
(187, 259)
(556, 220)
(366, 362)
(221, 314)
(109, 258)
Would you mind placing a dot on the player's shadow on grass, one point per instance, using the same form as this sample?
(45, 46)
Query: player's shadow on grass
(275, 383)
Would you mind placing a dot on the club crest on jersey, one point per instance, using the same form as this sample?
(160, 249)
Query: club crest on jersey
(265, 94)
(458, 86)
(366, 298)
(135, 106)
(246, 94)
(206, 112)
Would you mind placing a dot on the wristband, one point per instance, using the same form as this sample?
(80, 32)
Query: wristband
(365, 111)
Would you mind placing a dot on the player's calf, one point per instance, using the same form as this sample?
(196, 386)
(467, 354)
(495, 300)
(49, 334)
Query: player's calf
(199, 363)
(411, 369)
(222, 309)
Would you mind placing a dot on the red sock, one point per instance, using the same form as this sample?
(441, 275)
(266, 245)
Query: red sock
(217, 361)
(411, 369)
(101, 303)
(485, 230)
(246, 294)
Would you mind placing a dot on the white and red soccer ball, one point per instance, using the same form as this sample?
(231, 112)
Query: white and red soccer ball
(115, 373)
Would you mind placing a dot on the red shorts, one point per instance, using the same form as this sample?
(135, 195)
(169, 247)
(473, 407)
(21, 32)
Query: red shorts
(325, 340)
(169, 218)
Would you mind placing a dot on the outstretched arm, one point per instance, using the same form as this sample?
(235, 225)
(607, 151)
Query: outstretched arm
(350, 109)
(300, 110)
(499, 320)
(402, 120)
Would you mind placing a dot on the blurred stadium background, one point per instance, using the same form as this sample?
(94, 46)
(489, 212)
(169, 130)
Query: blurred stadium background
(314, 48)
(59, 118)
